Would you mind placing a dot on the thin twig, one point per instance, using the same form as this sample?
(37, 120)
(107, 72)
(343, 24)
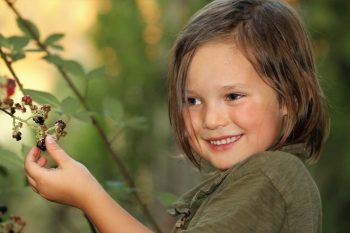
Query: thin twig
(122, 168)
(8, 113)
(9, 66)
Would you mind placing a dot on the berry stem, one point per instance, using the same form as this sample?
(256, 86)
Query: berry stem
(50, 129)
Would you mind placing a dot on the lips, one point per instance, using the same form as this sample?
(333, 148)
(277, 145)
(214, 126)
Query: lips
(223, 143)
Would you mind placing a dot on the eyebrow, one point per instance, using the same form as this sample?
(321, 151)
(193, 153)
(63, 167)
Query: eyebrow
(234, 87)
(225, 88)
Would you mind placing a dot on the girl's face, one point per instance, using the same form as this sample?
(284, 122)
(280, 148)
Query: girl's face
(231, 113)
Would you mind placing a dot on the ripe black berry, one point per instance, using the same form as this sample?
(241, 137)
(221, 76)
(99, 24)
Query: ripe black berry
(17, 136)
(41, 144)
(3, 209)
(60, 124)
(39, 120)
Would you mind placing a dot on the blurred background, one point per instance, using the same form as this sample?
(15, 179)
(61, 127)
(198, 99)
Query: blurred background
(132, 39)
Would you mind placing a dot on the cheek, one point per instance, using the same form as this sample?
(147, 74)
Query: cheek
(262, 123)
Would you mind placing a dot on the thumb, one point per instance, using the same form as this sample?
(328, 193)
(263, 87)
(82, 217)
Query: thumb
(55, 151)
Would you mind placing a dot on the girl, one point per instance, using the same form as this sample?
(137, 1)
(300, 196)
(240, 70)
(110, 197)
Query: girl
(243, 96)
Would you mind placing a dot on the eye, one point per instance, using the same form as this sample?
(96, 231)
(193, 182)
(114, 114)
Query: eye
(234, 96)
(191, 101)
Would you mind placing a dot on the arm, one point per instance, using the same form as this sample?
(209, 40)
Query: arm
(72, 184)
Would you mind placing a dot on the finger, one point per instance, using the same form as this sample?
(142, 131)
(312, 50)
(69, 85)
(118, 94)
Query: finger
(30, 164)
(55, 151)
(35, 190)
(42, 161)
(31, 181)
(33, 154)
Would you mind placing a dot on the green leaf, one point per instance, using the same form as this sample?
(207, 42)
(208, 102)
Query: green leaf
(28, 28)
(57, 47)
(85, 116)
(15, 56)
(113, 108)
(137, 122)
(53, 38)
(18, 42)
(97, 73)
(166, 198)
(73, 67)
(54, 59)
(4, 42)
(42, 97)
(34, 50)
(70, 106)
(3, 171)
(10, 159)
(115, 185)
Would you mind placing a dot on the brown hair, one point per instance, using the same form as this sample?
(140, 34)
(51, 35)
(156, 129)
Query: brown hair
(274, 40)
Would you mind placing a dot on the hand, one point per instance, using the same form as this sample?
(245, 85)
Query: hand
(67, 184)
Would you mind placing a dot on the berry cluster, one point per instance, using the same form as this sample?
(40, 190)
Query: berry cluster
(14, 224)
(38, 115)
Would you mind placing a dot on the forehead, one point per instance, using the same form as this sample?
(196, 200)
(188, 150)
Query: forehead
(220, 62)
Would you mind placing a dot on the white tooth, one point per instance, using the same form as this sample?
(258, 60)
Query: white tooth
(225, 141)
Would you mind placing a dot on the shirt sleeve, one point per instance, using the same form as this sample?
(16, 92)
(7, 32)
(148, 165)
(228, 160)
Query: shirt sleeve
(249, 204)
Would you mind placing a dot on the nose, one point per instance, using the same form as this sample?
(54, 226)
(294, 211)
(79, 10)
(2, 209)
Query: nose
(214, 116)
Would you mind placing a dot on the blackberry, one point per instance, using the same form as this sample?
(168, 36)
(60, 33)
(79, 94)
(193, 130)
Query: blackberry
(3, 209)
(17, 136)
(60, 124)
(39, 120)
(41, 145)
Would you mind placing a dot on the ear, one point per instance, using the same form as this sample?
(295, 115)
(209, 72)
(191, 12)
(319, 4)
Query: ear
(284, 110)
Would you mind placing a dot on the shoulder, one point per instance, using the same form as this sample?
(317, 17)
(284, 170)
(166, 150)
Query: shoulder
(284, 176)
(284, 171)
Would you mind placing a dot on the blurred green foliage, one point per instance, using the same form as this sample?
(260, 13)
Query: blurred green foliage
(328, 22)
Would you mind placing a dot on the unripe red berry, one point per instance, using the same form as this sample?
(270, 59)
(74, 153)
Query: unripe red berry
(10, 87)
(27, 100)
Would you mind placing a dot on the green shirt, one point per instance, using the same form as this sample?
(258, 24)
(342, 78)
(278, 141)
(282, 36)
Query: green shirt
(269, 192)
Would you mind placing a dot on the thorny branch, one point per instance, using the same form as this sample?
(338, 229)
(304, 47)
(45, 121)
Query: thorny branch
(121, 166)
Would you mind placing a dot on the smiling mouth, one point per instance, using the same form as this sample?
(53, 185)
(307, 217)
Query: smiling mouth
(225, 141)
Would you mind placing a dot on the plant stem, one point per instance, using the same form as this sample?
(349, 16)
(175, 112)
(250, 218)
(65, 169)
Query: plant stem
(9, 66)
(8, 113)
(120, 164)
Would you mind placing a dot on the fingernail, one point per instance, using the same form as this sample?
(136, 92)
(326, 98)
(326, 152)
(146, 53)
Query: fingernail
(50, 139)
